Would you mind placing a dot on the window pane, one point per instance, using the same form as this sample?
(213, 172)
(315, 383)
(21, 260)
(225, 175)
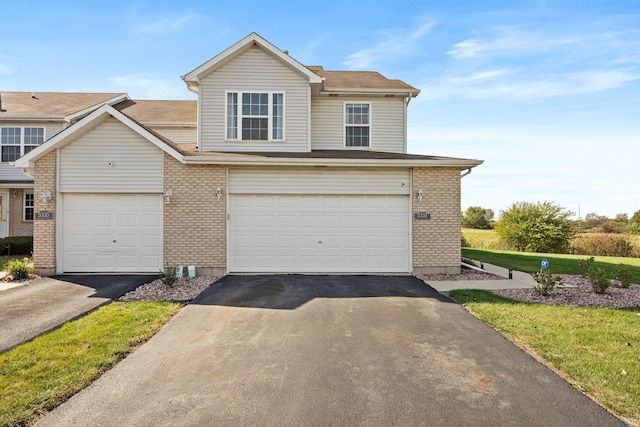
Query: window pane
(33, 136)
(357, 136)
(28, 207)
(232, 116)
(278, 116)
(255, 104)
(10, 153)
(357, 114)
(255, 129)
(10, 136)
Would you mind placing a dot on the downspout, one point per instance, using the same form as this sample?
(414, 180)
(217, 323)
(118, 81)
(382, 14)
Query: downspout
(466, 173)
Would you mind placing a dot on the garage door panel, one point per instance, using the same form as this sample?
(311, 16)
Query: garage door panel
(112, 233)
(358, 233)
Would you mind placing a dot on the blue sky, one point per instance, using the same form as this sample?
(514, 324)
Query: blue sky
(546, 92)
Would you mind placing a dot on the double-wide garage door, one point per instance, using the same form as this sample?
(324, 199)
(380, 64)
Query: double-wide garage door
(112, 233)
(319, 233)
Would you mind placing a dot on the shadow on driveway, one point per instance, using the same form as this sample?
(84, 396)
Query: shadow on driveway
(111, 286)
(290, 291)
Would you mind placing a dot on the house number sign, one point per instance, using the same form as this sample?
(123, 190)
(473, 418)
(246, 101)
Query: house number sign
(422, 215)
(42, 215)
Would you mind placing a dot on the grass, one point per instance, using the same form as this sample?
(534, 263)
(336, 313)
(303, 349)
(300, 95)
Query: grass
(558, 263)
(39, 375)
(597, 348)
(483, 239)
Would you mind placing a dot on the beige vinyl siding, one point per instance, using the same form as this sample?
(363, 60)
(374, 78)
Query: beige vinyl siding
(179, 135)
(387, 123)
(254, 70)
(136, 164)
(328, 181)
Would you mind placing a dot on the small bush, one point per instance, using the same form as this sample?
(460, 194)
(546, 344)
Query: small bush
(585, 265)
(624, 275)
(19, 268)
(599, 281)
(169, 276)
(16, 245)
(547, 283)
(602, 245)
(463, 241)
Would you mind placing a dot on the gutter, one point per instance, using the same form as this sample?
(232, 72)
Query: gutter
(261, 161)
(468, 171)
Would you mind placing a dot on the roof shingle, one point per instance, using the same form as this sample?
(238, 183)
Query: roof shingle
(359, 80)
(49, 104)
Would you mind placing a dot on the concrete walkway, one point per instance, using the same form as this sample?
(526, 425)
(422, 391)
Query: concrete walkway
(520, 280)
(30, 310)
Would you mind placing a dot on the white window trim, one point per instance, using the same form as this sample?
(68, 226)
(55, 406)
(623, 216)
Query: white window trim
(24, 206)
(22, 137)
(344, 124)
(269, 119)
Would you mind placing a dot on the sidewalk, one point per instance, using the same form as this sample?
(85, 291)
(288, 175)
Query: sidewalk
(520, 281)
(30, 310)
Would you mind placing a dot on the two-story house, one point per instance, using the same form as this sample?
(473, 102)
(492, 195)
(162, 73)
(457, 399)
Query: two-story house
(290, 168)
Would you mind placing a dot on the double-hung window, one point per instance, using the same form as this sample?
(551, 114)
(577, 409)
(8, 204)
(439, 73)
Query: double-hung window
(255, 116)
(18, 141)
(357, 124)
(29, 206)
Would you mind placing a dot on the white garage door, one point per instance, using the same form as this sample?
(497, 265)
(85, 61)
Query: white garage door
(104, 233)
(319, 234)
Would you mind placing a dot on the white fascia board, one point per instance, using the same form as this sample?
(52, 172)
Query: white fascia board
(372, 91)
(68, 135)
(25, 184)
(112, 101)
(192, 78)
(283, 161)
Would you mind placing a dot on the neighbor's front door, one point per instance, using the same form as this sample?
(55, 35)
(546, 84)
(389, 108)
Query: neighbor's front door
(4, 214)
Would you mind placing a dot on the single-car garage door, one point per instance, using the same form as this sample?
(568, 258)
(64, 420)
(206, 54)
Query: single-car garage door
(104, 233)
(319, 233)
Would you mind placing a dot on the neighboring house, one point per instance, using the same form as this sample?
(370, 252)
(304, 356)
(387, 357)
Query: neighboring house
(290, 169)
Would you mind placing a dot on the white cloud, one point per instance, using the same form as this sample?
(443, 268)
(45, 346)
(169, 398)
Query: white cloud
(165, 25)
(148, 86)
(393, 43)
(506, 83)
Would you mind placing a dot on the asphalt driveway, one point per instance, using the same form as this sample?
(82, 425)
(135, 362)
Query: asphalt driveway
(30, 310)
(328, 350)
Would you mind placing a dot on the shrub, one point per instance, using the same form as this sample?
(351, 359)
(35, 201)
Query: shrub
(634, 223)
(169, 276)
(599, 281)
(539, 227)
(624, 275)
(602, 245)
(16, 245)
(19, 268)
(463, 241)
(585, 265)
(477, 217)
(547, 283)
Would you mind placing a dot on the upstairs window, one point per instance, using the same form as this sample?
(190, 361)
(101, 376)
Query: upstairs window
(255, 116)
(18, 141)
(357, 124)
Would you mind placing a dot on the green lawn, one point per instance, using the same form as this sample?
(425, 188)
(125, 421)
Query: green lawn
(41, 374)
(558, 263)
(596, 348)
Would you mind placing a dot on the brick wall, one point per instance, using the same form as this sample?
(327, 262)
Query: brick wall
(44, 242)
(195, 222)
(17, 225)
(436, 242)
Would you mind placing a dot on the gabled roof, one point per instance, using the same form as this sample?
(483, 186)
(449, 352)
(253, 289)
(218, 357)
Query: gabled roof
(90, 122)
(336, 81)
(192, 79)
(52, 105)
(160, 112)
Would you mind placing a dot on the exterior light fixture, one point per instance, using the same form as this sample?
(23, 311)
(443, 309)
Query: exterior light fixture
(46, 197)
(219, 192)
(167, 197)
(420, 195)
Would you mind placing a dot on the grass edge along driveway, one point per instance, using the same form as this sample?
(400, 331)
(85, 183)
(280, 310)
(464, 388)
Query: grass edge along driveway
(37, 376)
(597, 349)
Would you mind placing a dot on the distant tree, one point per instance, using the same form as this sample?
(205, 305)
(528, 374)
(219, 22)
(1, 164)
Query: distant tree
(593, 222)
(536, 227)
(621, 218)
(477, 217)
(634, 223)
